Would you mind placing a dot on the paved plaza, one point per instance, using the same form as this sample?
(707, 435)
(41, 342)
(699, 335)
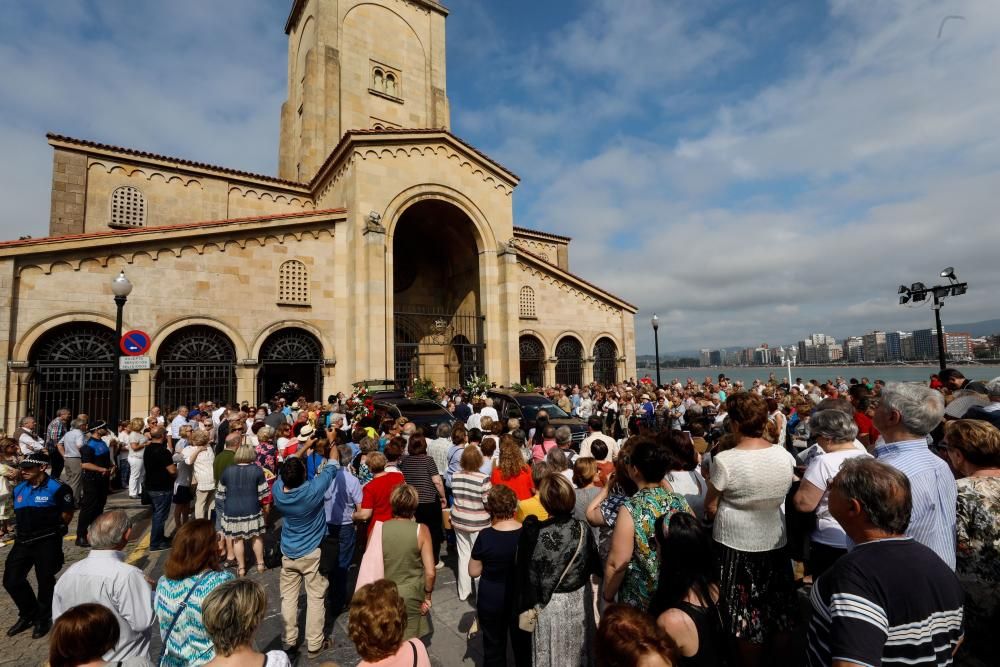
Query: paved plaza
(448, 643)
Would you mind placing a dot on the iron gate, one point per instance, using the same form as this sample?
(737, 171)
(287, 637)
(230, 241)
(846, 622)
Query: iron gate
(417, 325)
(74, 368)
(605, 362)
(532, 355)
(196, 364)
(290, 356)
(570, 365)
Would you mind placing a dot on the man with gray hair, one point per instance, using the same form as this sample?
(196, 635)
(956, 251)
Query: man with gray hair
(105, 579)
(991, 411)
(890, 600)
(437, 448)
(564, 439)
(905, 415)
(69, 447)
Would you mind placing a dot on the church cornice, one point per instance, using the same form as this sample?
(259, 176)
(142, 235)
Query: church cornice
(400, 142)
(547, 236)
(537, 266)
(174, 163)
(174, 239)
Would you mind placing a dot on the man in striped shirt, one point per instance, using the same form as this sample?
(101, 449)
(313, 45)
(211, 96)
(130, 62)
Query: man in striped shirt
(890, 600)
(905, 415)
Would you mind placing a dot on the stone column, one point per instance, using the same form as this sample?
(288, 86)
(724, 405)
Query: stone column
(372, 348)
(588, 370)
(246, 380)
(550, 371)
(141, 394)
(18, 381)
(330, 379)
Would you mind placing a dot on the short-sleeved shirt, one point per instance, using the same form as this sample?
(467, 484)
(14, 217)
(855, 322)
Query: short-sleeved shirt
(375, 496)
(72, 442)
(156, 460)
(496, 549)
(418, 471)
(95, 451)
(891, 601)
(520, 484)
(39, 509)
(866, 425)
(223, 460)
(820, 472)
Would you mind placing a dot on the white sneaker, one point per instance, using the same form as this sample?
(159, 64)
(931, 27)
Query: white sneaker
(440, 564)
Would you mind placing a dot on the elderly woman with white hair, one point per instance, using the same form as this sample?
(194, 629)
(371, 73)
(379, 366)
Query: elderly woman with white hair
(835, 432)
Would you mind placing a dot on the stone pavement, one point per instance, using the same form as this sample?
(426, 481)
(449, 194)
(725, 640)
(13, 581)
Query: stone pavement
(451, 619)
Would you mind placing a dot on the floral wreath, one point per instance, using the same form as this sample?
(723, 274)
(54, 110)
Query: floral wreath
(360, 404)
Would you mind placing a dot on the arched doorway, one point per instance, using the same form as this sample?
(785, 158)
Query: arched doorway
(605, 362)
(569, 367)
(438, 332)
(532, 354)
(290, 358)
(74, 367)
(196, 363)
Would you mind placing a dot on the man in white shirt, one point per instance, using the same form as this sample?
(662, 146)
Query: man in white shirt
(180, 420)
(489, 411)
(594, 425)
(155, 413)
(26, 438)
(69, 447)
(103, 578)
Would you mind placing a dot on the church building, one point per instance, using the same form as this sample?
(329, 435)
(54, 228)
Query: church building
(385, 248)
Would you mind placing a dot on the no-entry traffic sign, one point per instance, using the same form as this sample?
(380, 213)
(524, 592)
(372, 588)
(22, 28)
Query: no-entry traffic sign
(135, 343)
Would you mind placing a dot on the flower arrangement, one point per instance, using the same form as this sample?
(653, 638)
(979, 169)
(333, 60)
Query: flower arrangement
(526, 388)
(289, 391)
(425, 388)
(360, 404)
(477, 385)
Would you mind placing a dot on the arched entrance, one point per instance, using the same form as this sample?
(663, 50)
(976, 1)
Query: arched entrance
(569, 367)
(605, 362)
(196, 363)
(74, 367)
(290, 357)
(438, 331)
(532, 354)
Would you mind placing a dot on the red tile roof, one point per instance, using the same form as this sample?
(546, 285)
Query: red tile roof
(557, 270)
(156, 156)
(402, 130)
(165, 228)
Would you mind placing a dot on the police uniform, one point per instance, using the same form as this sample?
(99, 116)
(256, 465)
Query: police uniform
(40, 531)
(95, 484)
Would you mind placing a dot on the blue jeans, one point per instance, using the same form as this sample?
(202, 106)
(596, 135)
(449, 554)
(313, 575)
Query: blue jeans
(124, 469)
(336, 555)
(161, 511)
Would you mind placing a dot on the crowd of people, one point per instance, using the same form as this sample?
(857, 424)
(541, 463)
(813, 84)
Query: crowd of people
(844, 522)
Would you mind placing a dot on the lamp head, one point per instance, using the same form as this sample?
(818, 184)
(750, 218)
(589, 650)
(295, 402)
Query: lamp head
(121, 286)
(655, 322)
(948, 272)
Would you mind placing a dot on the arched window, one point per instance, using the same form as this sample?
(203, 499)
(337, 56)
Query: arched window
(390, 84)
(74, 368)
(527, 302)
(290, 357)
(605, 362)
(128, 207)
(532, 354)
(569, 367)
(197, 363)
(293, 283)
(378, 79)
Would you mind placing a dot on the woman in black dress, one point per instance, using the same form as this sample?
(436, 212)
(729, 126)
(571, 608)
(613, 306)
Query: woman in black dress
(686, 603)
(492, 560)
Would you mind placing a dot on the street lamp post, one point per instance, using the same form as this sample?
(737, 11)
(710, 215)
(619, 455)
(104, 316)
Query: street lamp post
(122, 287)
(918, 292)
(656, 342)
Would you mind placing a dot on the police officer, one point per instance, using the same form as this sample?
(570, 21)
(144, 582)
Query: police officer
(95, 461)
(43, 507)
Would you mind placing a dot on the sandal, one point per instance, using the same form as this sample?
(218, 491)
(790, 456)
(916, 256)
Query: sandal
(241, 572)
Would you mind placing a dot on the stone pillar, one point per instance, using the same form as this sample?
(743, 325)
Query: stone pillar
(246, 380)
(141, 394)
(330, 379)
(621, 372)
(510, 294)
(550, 371)
(18, 382)
(372, 360)
(588, 370)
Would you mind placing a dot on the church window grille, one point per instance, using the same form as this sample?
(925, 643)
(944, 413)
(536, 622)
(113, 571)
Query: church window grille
(532, 357)
(293, 283)
(569, 364)
(128, 207)
(605, 362)
(527, 303)
(196, 363)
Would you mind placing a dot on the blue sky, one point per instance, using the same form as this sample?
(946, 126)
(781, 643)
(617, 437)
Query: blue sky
(752, 172)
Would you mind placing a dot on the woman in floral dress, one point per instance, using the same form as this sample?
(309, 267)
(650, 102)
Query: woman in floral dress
(974, 453)
(633, 568)
(267, 460)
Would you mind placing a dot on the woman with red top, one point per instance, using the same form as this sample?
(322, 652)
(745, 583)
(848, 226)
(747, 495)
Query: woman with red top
(375, 494)
(511, 471)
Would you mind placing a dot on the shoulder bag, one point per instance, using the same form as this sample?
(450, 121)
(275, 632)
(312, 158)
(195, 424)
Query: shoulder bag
(528, 620)
(177, 615)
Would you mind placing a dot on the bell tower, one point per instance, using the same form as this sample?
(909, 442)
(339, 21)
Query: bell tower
(359, 65)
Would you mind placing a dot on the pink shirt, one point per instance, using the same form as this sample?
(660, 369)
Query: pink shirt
(404, 656)
(538, 452)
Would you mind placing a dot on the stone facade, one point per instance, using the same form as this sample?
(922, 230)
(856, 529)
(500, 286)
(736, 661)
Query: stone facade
(344, 264)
